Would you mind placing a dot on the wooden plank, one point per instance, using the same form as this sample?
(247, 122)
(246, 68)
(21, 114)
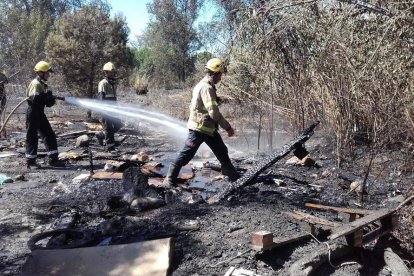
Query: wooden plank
(107, 175)
(311, 219)
(354, 226)
(338, 209)
(141, 258)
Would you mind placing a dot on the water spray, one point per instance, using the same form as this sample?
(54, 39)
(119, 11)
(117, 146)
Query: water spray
(171, 125)
(176, 127)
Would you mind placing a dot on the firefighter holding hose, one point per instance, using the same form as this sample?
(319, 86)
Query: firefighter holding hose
(203, 123)
(36, 121)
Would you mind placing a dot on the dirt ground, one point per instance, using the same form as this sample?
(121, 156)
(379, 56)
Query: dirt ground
(208, 239)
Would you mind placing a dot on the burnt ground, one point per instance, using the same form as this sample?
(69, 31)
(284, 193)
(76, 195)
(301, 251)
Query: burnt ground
(208, 239)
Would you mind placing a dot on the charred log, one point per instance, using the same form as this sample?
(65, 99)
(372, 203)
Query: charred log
(256, 170)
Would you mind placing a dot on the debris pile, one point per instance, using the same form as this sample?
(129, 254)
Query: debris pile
(301, 215)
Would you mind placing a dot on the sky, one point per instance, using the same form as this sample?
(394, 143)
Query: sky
(137, 17)
(135, 12)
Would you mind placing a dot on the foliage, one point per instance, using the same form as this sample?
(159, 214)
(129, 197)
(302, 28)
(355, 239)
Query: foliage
(142, 61)
(24, 26)
(141, 85)
(85, 40)
(347, 63)
(172, 39)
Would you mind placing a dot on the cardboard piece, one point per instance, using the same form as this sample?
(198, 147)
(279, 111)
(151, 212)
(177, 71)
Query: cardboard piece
(107, 175)
(142, 258)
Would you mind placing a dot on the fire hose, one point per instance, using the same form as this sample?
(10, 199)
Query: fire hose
(19, 104)
(11, 113)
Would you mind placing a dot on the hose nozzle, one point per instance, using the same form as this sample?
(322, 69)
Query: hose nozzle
(59, 98)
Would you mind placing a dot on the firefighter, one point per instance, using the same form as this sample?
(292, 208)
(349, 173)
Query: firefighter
(3, 99)
(203, 123)
(107, 92)
(36, 121)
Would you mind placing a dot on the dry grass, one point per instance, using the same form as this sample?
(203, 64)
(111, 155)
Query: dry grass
(141, 85)
(350, 66)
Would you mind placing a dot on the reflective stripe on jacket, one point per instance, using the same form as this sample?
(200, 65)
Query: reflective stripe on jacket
(108, 87)
(205, 116)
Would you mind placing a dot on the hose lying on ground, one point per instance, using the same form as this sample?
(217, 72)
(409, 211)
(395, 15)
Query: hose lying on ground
(11, 113)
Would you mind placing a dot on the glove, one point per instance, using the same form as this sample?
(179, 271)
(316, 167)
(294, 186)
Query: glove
(50, 99)
(230, 132)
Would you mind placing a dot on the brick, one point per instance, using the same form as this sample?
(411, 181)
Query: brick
(262, 240)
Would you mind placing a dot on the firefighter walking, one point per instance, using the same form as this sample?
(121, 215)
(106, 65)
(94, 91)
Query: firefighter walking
(36, 120)
(203, 123)
(107, 92)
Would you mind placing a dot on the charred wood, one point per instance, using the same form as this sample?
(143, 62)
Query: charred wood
(322, 253)
(256, 170)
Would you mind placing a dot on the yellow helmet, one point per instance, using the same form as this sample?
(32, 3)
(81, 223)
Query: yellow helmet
(43, 66)
(215, 65)
(109, 67)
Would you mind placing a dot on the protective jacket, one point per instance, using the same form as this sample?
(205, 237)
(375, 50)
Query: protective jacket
(39, 96)
(36, 121)
(107, 89)
(205, 116)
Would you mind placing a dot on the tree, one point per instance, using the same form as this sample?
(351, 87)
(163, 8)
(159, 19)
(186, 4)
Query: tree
(172, 39)
(142, 61)
(83, 41)
(346, 63)
(24, 27)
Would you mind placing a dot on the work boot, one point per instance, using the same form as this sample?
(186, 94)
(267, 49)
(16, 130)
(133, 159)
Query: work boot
(55, 162)
(170, 181)
(101, 137)
(110, 148)
(300, 152)
(230, 171)
(32, 163)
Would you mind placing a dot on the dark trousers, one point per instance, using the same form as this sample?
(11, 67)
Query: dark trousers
(111, 125)
(36, 122)
(193, 142)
